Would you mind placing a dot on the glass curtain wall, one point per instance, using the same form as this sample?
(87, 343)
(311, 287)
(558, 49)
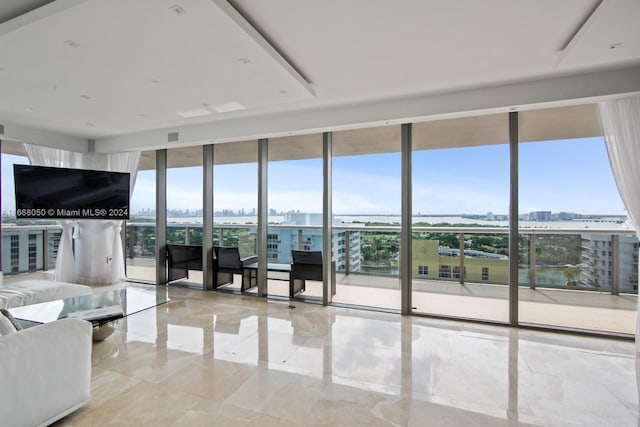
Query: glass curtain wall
(184, 201)
(460, 240)
(578, 263)
(141, 227)
(366, 203)
(235, 199)
(295, 207)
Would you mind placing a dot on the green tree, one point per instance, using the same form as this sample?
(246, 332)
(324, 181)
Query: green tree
(572, 274)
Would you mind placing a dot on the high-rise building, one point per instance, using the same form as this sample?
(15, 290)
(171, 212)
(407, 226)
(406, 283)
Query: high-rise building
(540, 216)
(24, 248)
(602, 260)
(281, 241)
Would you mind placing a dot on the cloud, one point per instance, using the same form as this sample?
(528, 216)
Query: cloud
(304, 201)
(180, 197)
(366, 192)
(235, 200)
(447, 198)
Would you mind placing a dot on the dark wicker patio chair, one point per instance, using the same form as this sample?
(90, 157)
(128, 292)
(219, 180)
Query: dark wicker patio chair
(228, 261)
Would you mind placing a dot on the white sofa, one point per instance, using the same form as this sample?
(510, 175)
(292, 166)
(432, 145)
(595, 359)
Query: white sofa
(45, 372)
(30, 291)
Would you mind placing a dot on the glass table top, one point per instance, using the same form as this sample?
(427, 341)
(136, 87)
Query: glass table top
(129, 301)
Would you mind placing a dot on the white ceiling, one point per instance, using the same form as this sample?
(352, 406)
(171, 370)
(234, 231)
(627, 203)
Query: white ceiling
(118, 71)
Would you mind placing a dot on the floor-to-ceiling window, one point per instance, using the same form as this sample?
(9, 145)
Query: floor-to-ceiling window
(366, 195)
(577, 265)
(141, 228)
(235, 198)
(460, 241)
(295, 206)
(184, 200)
(578, 262)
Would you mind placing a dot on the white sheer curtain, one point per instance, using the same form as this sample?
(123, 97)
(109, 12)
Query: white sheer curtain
(621, 125)
(98, 258)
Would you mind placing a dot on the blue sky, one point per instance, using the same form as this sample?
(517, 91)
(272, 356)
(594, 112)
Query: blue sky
(570, 175)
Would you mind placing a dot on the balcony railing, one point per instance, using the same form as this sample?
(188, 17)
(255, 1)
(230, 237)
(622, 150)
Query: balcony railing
(29, 248)
(549, 258)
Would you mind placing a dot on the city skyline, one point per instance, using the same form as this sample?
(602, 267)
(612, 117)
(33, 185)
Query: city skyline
(554, 216)
(558, 176)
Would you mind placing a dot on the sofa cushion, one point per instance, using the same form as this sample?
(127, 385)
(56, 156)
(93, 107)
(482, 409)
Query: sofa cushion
(6, 327)
(26, 292)
(5, 313)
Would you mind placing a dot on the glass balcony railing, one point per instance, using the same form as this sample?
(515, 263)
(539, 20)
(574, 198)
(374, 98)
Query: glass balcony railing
(244, 238)
(593, 260)
(584, 260)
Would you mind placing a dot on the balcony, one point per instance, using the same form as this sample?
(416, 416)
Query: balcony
(547, 296)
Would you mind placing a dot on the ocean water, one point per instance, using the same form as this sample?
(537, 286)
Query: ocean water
(603, 224)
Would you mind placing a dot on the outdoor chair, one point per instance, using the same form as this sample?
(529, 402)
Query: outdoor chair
(181, 259)
(228, 261)
(307, 265)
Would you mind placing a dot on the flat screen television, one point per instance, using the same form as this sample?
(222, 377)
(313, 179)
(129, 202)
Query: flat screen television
(61, 193)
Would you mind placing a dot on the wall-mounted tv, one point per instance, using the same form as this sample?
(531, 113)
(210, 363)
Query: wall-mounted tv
(62, 193)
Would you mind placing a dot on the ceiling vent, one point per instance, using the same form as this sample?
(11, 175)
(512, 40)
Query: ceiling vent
(173, 137)
(194, 113)
(228, 107)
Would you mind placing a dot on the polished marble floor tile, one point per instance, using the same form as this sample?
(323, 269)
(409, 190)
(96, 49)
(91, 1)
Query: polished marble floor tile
(212, 359)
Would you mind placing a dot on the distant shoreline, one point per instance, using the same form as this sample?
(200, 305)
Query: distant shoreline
(606, 222)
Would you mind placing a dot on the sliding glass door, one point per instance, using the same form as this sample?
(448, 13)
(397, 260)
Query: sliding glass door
(140, 241)
(460, 240)
(580, 263)
(235, 200)
(295, 208)
(366, 178)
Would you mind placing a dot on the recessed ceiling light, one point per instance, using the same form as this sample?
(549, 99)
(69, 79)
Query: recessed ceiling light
(85, 96)
(244, 61)
(178, 10)
(228, 107)
(71, 43)
(198, 112)
(615, 45)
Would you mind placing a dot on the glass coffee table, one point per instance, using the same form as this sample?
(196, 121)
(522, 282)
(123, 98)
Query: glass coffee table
(102, 309)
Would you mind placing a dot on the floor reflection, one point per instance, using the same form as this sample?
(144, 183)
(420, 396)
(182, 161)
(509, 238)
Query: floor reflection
(207, 358)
